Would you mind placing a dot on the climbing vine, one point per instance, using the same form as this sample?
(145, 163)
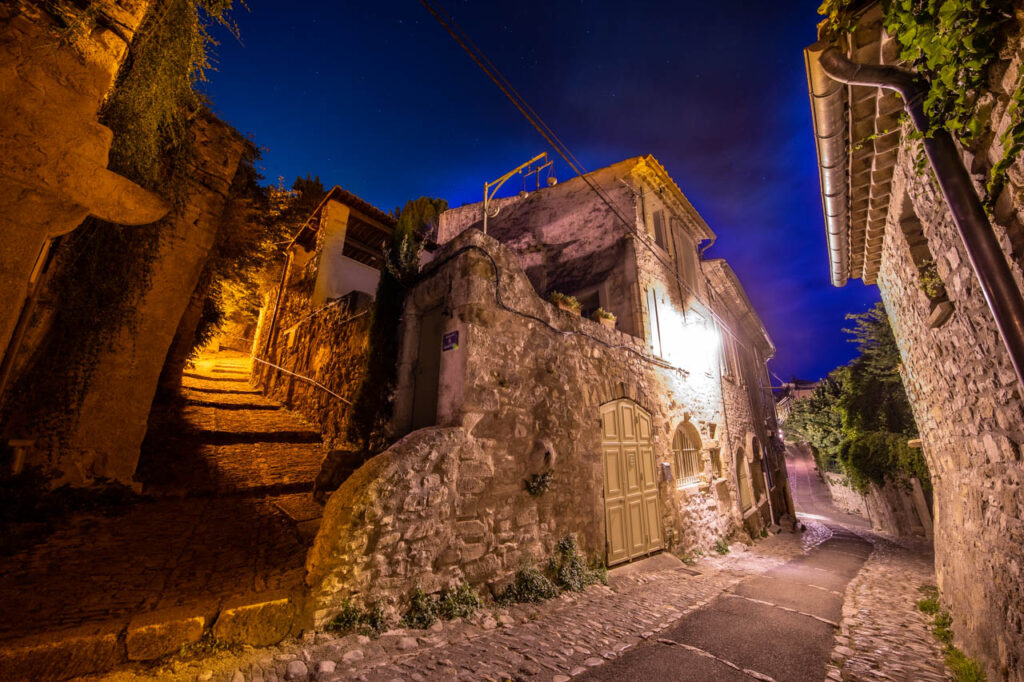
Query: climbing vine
(954, 44)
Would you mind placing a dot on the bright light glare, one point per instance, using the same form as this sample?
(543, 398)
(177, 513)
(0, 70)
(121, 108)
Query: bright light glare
(689, 340)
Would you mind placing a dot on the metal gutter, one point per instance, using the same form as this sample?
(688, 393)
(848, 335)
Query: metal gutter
(983, 250)
(828, 111)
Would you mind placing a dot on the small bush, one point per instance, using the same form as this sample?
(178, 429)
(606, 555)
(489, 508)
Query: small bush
(375, 621)
(929, 605)
(722, 547)
(602, 314)
(538, 484)
(529, 586)
(569, 568)
(422, 611)
(351, 618)
(348, 619)
(687, 558)
(941, 627)
(460, 601)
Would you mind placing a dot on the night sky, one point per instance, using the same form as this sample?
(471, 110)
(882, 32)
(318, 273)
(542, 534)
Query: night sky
(378, 98)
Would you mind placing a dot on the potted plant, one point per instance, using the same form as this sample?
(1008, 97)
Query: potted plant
(565, 302)
(604, 317)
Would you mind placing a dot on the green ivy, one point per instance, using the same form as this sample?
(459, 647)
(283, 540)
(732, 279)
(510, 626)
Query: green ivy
(953, 44)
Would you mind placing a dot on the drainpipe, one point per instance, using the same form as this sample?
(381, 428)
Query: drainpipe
(983, 250)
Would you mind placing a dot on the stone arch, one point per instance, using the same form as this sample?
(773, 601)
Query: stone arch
(608, 390)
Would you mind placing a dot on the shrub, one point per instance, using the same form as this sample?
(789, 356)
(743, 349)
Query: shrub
(602, 314)
(570, 569)
(929, 605)
(351, 618)
(458, 602)
(422, 611)
(529, 586)
(687, 558)
(538, 484)
(722, 547)
(963, 668)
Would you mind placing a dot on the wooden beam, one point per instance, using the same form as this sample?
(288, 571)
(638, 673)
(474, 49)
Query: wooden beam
(377, 225)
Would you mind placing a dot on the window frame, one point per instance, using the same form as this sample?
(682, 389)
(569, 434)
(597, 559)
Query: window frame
(686, 434)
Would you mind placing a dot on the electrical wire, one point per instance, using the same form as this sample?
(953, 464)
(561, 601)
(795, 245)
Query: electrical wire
(478, 56)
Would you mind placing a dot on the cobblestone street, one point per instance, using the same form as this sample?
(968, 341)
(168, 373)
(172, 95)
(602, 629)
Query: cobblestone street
(637, 627)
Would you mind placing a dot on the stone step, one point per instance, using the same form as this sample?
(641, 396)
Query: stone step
(254, 619)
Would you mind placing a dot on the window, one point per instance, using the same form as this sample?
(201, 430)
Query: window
(689, 265)
(655, 320)
(686, 449)
(757, 470)
(729, 360)
(589, 302)
(660, 233)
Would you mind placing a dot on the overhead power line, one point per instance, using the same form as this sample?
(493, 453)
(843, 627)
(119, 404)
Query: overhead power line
(492, 72)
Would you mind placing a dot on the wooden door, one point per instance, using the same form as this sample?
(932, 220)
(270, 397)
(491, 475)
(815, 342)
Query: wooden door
(428, 369)
(632, 510)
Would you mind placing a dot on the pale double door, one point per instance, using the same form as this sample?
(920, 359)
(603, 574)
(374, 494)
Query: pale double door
(632, 513)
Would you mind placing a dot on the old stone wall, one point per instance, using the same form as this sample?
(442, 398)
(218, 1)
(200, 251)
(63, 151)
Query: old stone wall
(897, 509)
(520, 394)
(844, 495)
(968, 408)
(326, 345)
(107, 432)
(53, 152)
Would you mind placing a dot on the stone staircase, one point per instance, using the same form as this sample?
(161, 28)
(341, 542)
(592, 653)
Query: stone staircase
(215, 547)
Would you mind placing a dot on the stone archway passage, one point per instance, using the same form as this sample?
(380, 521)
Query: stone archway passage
(632, 518)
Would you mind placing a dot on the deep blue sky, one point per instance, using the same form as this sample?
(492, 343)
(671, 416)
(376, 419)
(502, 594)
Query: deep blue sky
(377, 97)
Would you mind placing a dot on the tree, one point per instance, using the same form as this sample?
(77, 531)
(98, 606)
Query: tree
(858, 420)
(374, 403)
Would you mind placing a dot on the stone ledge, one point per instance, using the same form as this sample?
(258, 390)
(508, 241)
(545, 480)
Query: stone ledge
(158, 633)
(63, 653)
(259, 620)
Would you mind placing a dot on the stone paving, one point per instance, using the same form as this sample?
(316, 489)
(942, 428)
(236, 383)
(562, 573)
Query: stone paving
(882, 635)
(550, 641)
(167, 551)
(226, 438)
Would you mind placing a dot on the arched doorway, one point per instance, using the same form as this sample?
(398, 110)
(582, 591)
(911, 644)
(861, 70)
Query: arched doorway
(632, 511)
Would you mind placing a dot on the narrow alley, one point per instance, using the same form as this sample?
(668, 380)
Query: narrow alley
(836, 601)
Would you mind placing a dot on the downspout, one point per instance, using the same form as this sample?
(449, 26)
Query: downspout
(983, 250)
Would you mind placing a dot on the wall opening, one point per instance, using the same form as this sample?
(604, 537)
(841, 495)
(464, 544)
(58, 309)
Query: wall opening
(427, 372)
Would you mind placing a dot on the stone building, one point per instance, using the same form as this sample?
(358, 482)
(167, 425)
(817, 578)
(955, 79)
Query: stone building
(525, 422)
(887, 224)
